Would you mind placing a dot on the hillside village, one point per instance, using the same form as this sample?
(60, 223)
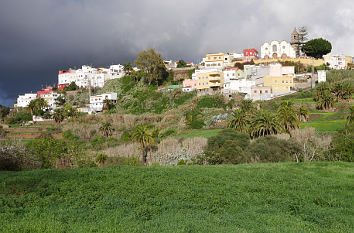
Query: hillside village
(229, 108)
(266, 75)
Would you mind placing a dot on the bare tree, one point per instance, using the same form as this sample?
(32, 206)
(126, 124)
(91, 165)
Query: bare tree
(313, 146)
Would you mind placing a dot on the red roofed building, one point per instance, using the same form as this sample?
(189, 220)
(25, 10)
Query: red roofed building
(250, 54)
(44, 91)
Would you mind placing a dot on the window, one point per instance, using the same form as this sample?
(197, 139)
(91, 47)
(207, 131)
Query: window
(255, 92)
(266, 91)
(282, 81)
(275, 48)
(283, 47)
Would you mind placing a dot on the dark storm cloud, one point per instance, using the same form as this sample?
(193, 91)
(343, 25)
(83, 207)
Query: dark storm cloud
(39, 37)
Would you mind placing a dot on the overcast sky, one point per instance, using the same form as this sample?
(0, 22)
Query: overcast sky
(39, 37)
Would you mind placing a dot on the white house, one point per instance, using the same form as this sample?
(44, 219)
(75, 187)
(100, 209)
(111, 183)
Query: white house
(336, 62)
(276, 49)
(51, 98)
(97, 101)
(24, 100)
(277, 70)
(239, 85)
(116, 71)
(322, 75)
(260, 93)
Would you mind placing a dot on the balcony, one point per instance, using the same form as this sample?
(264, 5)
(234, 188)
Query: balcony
(214, 78)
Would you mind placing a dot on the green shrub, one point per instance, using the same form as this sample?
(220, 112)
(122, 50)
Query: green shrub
(181, 162)
(101, 158)
(271, 149)
(219, 140)
(47, 150)
(194, 119)
(229, 146)
(18, 117)
(133, 162)
(2, 132)
(343, 145)
(98, 141)
(93, 132)
(216, 101)
(68, 134)
(207, 158)
(126, 136)
(168, 132)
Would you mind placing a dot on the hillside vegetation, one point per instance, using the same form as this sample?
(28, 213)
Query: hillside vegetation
(286, 197)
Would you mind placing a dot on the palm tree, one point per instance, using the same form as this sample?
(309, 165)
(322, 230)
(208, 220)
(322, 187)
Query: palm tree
(347, 90)
(101, 159)
(106, 129)
(338, 90)
(108, 104)
(303, 114)
(287, 116)
(264, 123)
(128, 68)
(321, 88)
(325, 101)
(36, 106)
(238, 121)
(350, 117)
(58, 115)
(144, 137)
(246, 106)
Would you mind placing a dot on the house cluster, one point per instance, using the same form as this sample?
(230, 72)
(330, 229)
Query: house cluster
(48, 94)
(258, 75)
(85, 77)
(89, 76)
(257, 82)
(218, 73)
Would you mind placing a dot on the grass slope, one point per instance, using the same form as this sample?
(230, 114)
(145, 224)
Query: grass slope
(326, 122)
(204, 133)
(288, 197)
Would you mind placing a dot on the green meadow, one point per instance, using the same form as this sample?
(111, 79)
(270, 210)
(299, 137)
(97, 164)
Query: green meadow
(282, 197)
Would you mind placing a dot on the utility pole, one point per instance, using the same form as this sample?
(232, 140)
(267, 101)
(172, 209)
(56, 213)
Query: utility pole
(312, 76)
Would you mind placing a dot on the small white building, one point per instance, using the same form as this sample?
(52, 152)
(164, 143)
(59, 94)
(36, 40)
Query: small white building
(277, 70)
(336, 62)
(24, 100)
(260, 93)
(97, 101)
(51, 99)
(276, 49)
(238, 85)
(322, 75)
(116, 71)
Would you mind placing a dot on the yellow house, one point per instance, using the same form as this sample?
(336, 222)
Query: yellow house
(214, 60)
(348, 60)
(209, 79)
(279, 84)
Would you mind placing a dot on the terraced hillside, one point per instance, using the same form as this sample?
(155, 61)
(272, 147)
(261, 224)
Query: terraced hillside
(37, 130)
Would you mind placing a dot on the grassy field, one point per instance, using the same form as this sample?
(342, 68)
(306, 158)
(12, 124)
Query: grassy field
(326, 122)
(286, 197)
(204, 133)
